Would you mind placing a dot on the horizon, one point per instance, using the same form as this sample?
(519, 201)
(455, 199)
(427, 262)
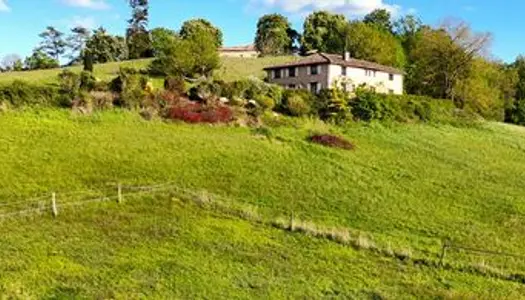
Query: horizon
(237, 18)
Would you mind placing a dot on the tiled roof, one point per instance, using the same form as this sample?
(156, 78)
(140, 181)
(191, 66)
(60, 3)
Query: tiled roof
(238, 48)
(334, 59)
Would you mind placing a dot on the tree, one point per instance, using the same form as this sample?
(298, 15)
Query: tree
(275, 35)
(325, 32)
(406, 29)
(77, 42)
(103, 47)
(137, 36)
(442, 57)
(484, 90)
(381, 18)
(11, 62)
(53, 42)
(162, 38)
(371, 43)
(41, 60)
(192, 57)
(193, 27)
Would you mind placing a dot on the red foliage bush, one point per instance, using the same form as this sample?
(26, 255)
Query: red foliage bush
(331, 141)
(193, 112)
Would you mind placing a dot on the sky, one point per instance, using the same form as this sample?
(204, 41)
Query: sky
(22, 20)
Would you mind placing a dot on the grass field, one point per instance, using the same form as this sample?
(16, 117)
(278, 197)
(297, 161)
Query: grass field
(405, 187)
(231, 69)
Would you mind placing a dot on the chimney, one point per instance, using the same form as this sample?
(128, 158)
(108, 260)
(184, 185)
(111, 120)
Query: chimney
(347, 56)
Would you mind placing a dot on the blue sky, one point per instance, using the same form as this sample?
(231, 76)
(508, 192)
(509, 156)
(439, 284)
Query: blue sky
(22, 20)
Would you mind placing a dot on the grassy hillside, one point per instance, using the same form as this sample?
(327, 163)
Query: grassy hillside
(231, 69)
(404, 188)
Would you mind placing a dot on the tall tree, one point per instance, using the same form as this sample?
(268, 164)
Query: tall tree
(53, 42)
(381, 18)
(137, 36)
(371, 43)
(442, 57)
(325, 32)
(77, 42)
(191, 57)
(193, 27)
(275, 35)
(406, 29)
(103, 47)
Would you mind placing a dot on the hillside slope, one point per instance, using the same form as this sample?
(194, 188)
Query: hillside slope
(231, 69)
(404, 188)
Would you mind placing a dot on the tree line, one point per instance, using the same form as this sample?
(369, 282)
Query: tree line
(449, 61)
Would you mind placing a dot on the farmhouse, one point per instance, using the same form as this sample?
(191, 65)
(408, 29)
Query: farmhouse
(239, 51)
(320, 70)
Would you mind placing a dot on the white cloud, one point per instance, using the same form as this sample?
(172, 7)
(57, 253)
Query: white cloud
(348, 7)
(86, 22)
(3, 5)
(93, 4)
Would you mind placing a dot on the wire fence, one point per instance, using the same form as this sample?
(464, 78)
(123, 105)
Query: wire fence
(54, 203)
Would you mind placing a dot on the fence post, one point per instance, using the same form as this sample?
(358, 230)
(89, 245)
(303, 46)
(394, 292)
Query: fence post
(292, 221)
(54, 204)
(119, 192)
(443, 252)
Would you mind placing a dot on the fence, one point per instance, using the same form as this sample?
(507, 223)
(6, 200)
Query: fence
(54, 203)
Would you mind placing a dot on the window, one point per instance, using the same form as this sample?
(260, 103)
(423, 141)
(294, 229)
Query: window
(291, 72)
(314, 70)
(277, 74)
(343, 71)
(291, 86)
(391, 92)
(370, 73)
(314, 87)
(391, 77)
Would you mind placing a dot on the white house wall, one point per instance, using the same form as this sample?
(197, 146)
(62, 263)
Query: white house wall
(381, 81)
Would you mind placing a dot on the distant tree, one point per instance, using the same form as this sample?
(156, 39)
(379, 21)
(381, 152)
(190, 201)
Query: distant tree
(195, 26)
(104, 47)
(192, 57)
(368, 42)
(11, 62)
(381, 18)
(40, 60)
(324, 31)
(275, 35)
(77, 42)
(137, 36)
(53, 42)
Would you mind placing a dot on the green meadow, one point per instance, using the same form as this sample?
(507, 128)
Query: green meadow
(405, 188)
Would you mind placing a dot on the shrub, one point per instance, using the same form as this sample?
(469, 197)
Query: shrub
(20, 93)
(102, 100)
(69, 84)
(265, 102)
(297, 102)
(88, 82)
(194, 112)
(368, 106)
(175, 84)
(331, 141)
(333, 104)
(130, 85)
